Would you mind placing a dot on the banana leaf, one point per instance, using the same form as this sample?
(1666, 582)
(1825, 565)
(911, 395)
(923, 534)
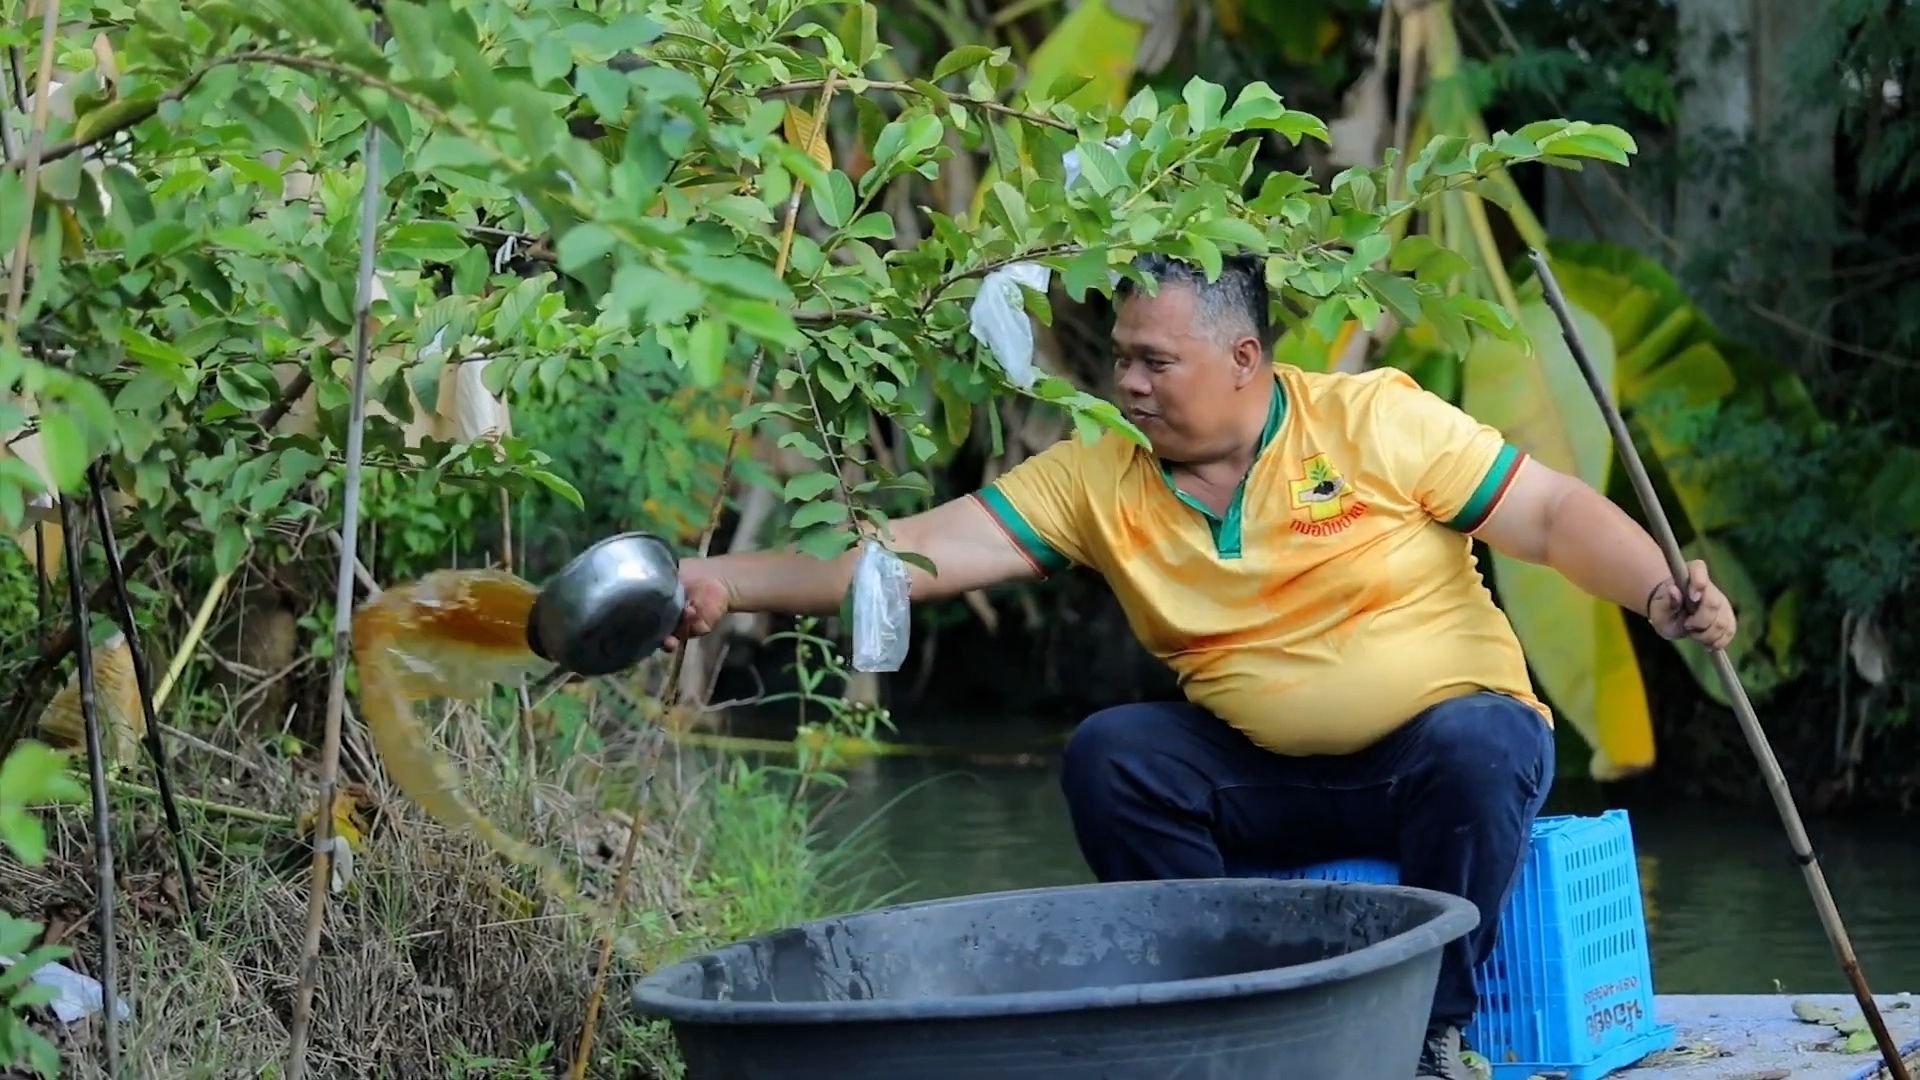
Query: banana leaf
(1092, 41)
(1576, 644)
(1672, 364)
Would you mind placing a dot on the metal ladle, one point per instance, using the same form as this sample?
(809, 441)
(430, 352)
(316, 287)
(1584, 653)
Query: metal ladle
(609, 608)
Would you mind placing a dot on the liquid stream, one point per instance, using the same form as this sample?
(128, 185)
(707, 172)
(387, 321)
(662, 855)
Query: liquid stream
(453, 634)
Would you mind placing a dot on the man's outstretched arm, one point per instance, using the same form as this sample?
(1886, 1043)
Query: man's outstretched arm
(968, 549)
(1557, 520)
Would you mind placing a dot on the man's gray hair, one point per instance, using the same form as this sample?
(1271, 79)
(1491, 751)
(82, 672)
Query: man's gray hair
(1230, 307)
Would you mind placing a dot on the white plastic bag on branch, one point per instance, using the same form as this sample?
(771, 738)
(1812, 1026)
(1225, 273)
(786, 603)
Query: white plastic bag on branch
(1001, 321)
(881, 587)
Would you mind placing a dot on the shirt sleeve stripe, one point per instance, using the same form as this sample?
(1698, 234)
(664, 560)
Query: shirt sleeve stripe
(1493, 487)
(1041, 554)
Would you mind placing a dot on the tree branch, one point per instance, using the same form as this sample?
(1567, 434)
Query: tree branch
(137, 112)
(988, 104)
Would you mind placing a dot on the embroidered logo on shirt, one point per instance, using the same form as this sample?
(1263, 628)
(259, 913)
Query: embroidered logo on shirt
(1323, 502)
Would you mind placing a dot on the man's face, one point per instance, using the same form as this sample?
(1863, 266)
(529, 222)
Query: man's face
(1171, 375)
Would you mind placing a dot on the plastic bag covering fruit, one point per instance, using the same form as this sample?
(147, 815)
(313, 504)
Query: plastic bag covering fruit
(999, 319)
(881, 587)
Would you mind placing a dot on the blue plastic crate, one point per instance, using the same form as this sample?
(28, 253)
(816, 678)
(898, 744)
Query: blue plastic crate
(1568, 990)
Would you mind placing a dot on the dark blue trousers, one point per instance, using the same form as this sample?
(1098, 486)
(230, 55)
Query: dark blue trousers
(1167, 790)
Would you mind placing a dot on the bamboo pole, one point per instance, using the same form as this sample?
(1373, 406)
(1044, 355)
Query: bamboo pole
(1770, 770)
(322, 867)
(156, 750)
(104, 898)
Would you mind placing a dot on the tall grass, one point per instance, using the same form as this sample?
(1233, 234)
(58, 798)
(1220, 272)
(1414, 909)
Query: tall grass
(438, 960)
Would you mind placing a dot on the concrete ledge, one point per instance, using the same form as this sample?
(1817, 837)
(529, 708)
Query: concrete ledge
(1758, 1037)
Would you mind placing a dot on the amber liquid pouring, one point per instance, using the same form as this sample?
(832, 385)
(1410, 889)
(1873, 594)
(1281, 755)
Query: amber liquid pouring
(452, 634)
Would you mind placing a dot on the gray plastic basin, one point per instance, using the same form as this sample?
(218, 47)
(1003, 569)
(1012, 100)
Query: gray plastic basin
(1232, 978)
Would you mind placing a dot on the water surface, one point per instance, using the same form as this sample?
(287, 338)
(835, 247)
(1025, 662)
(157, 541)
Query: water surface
(1728, 909)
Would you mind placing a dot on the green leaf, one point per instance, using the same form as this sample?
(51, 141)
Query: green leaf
(558, 486)
(13, 209)
(1204, 101)
(1370, 249)
(229, 546)
(413, 31)
(1235, 232)
(582, 244)
(707, 351)
(1100, 168)
(606, 90)
(1327, 317)
(1256, 101)
(834, 202)
(65, 448)
(763, 320)
(859, 32)
(808, 486)
(444, 151)
(826, 543)
(434, 241)
(874, 226)
(802, 444)
(824, 512)
(1201, 250)
(1396, 293)
(628, 32)
(1430, 262)
(550, 59)
(960, 59)
(274, 122)
(1365, 309)
(242, 390)
(155, 355)
(23, 834)
(34, 772)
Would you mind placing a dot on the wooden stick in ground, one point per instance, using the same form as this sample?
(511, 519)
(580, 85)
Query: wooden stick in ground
(322, 869)
(104, 900)
(156, 750)
(1770, 771)
(669, 692)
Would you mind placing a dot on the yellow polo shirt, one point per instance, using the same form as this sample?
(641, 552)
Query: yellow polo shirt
(1335, 598)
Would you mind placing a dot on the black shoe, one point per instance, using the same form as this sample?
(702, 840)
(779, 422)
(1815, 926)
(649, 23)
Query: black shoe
(1440, 1055)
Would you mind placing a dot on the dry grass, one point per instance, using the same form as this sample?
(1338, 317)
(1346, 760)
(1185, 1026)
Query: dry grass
(439, 960)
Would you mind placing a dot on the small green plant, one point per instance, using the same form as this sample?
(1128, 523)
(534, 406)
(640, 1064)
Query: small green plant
(33, 774)
(819, 744)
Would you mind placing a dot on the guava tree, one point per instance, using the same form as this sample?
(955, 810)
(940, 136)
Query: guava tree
(566, 192)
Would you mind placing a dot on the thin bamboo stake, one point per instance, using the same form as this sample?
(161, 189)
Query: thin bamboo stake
(104, 899)
(156, 751)
(243, 813)
(1776, 780)
(669, 692)
(192, 640)
(322, 869)
(40, 578)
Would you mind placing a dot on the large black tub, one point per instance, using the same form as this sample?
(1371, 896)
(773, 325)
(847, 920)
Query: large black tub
(1240, 979)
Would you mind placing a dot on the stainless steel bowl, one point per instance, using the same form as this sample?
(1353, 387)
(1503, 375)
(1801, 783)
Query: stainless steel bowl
(609, 608)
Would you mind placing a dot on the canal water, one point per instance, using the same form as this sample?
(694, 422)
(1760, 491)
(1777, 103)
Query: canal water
(1728, 910)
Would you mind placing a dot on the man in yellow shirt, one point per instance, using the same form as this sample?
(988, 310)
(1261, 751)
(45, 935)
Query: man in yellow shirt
(1297, 548)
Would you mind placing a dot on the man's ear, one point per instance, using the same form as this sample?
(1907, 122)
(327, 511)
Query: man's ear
(1249, 360)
